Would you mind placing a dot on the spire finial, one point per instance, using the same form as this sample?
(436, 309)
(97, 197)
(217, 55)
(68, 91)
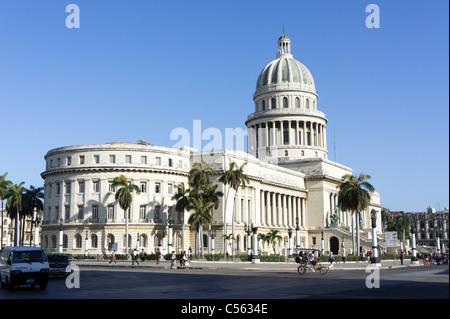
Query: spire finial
(283, 28)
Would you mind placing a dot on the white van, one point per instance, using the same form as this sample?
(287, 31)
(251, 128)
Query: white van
(23, 266)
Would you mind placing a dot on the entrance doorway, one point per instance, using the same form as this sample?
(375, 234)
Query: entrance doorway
(334, 245)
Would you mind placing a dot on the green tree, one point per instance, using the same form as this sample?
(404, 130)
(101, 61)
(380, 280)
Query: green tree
(34, 196)
(354, 197)
(385, 217)
(14, 196)
(182, 196)
(404, 223)
(233, 178)
(124, 197)
(274, 236)
(4, 185)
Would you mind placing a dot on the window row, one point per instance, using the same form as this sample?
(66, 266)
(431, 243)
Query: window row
(271, 103)
(95, 187)
(113, 159)
(146, 212)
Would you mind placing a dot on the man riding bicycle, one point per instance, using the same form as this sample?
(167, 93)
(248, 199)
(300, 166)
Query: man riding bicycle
(312, 260)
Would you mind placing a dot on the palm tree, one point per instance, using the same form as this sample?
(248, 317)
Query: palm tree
(14, 195)
(4, 184)
(233, 178)
(212, 195)
(183, 202)
(264, 239)
(200, 217)
(34, 196)
(273, 235)
(385, 217)
(354, 196)
(404, 222)
(124, 197)
(226, 238)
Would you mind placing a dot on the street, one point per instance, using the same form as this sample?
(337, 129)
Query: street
(147, 283)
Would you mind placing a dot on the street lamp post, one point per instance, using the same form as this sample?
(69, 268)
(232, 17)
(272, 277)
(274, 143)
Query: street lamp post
(322, 244)
(375, 259)
(297, 235)
(212, 234)
(290, 242)
(255, 256)
(60, 249)
(164, 233)
(86, 241)
(414, 259)
(248, 230)
(170, 233)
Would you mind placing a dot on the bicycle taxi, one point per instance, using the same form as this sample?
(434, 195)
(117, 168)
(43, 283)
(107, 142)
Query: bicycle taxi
(307, 260)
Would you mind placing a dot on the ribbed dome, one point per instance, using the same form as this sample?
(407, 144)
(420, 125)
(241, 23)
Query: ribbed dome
(285, 73)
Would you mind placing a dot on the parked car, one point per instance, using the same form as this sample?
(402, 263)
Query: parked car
(58, 265)
(23, 266)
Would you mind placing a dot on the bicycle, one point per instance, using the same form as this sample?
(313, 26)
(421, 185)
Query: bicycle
(305, 266)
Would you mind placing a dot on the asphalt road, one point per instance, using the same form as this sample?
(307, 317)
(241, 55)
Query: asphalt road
(191, 284)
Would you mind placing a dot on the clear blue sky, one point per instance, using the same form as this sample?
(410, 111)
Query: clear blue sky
(138, 69)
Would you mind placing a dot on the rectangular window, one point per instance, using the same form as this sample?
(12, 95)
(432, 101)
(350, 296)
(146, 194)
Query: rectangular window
(286, 137)
(144, 187)
(95, 186)
(96, 159)
(111, 188)
(143, 159)
(169, 188)
(95, 212)
(67, 187)
(112, 159)
(67, 212)
(180, 164)
(80, 187)
(158, 161)
(50, 190)
(81, 159)
(128, 159)
(314, 240)
(110, 213)
(69, 160)
(80, 212)
(142, 211)
(170, 162)
(157, 187)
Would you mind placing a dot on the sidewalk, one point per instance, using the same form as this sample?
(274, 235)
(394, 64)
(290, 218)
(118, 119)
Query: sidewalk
(244, 266)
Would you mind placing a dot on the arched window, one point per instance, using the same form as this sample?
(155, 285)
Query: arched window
(314, 105)
(297, 102)
(285, 102)
(54, 241)
(263, 105)
(65, 241)
(94, 241)
(303, 153)
(143, 241)
(78, 241)
(110, 240)
(307, 103)
(274, 103)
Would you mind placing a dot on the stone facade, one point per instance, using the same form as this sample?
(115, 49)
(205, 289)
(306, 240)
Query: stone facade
(293, 186)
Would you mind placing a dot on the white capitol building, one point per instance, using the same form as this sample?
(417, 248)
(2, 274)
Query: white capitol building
(293, 184)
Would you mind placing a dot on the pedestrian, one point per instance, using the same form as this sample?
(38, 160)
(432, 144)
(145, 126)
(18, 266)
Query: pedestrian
(183, 259)
(158, 256)
(331, 259)
(401, 257)
(134, 258)
(113, 257)
(343, 256)
(173, 261)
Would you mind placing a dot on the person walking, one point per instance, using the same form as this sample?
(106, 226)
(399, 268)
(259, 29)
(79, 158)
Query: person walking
(158, 256)
(134, 258)
(113, 257)
(401, 257)
(183, 259)
(173, 261)
(343, 256)
(331, 260)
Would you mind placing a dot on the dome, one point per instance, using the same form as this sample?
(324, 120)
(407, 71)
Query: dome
(285, 73)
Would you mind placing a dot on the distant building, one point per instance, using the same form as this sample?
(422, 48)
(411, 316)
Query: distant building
(430, 225)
